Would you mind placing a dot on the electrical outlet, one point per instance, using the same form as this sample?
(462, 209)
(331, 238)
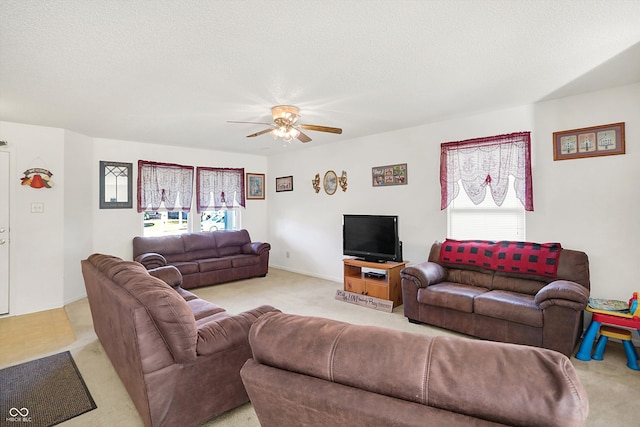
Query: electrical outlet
(37, 207)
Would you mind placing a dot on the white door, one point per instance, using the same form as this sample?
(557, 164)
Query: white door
(4, 232)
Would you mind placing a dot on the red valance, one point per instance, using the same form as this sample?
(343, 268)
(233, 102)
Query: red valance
(487, 162)
(167, 183)
(217, 188)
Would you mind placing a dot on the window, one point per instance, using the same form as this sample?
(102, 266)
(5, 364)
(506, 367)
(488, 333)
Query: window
(219, 188)
(163, 222)
(500, 164)
(223, 219)
(486, 221)
(165, 192)
(220, 193)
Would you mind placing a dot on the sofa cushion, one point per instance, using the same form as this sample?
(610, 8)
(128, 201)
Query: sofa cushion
(187, 267)
(169, 246)
(103, 262)
(188, 296)
(514, 284)
(123, 271)
(469, 277)
(232, 242)
(230, 250)
(169, 311)
(244, 260)
(200, 245)
(202, 308)
(212, 264)
(509, 306)
(450, 295)
(169, 274)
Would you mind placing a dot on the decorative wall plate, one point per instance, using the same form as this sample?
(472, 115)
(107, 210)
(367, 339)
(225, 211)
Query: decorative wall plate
(330, 182)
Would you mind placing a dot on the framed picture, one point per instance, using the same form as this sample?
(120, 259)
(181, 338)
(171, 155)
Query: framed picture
(594, 141)
(330, 182)
(383, 176)
(255, 186)
(116, 185)
(284, 183)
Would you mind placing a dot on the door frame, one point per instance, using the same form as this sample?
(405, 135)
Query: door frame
(5, 208)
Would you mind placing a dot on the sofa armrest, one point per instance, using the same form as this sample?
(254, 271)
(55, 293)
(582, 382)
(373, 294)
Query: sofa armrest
(424, 274)
(230, 332)
(168, 274)
(151, 260)
(563, 293)
(260, 247)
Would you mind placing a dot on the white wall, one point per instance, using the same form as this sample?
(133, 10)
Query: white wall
(586, 204)
(46, 248)
(114, 229)
(592, 204)
(309, 225)
(79, 193)
(36, 248)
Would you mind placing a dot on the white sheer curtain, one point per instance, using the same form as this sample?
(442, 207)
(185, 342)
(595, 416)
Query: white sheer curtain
(218, 187)
(164, 182)
(487, 162)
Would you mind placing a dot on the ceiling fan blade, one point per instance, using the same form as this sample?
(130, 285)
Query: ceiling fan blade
(303, 137)
(253, 123)
(262, 132)
(321, 128)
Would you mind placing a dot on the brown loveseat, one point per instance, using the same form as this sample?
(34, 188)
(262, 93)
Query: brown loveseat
(308, 371)
(205, 258)
(179, 357)
(517, 292)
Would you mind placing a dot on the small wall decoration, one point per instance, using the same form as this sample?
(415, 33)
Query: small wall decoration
(116, 185)
(593, 141)
(37, 178)
(315, 182)
(383, 176)
(284, 183)
(255, 186)
(343, 181)
(330, 182)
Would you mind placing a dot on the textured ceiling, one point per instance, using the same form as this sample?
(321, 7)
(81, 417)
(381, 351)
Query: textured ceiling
(173, 72)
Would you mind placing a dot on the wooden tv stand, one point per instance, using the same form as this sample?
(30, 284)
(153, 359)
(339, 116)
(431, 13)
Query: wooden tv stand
(386, 287)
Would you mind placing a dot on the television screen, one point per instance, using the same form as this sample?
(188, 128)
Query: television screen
(372, 237)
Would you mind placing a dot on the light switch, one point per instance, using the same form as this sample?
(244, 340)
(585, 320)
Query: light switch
(37, 207)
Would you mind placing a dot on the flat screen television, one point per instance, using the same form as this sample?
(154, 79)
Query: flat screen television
(371, 237)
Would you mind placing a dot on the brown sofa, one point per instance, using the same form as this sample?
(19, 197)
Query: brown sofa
(205, 258)
(308, 371)
(179, 357)
(479, 296)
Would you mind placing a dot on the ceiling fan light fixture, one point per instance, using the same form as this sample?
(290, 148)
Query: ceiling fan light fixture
(285, 125)
(288, 113)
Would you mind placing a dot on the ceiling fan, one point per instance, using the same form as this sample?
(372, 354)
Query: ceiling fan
(285, 125)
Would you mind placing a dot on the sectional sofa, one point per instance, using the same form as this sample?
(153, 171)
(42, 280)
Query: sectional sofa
(178, 356)
(205, 258)
(517, 292)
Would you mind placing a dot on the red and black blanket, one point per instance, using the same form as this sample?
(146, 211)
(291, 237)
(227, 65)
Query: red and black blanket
(509, 256)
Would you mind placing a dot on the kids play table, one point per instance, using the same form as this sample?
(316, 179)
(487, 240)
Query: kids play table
(616, 318)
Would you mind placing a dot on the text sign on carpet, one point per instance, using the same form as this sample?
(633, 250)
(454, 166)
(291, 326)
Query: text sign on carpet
(365, 301)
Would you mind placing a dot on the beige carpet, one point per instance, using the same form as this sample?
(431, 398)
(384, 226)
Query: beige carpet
(612, 387)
